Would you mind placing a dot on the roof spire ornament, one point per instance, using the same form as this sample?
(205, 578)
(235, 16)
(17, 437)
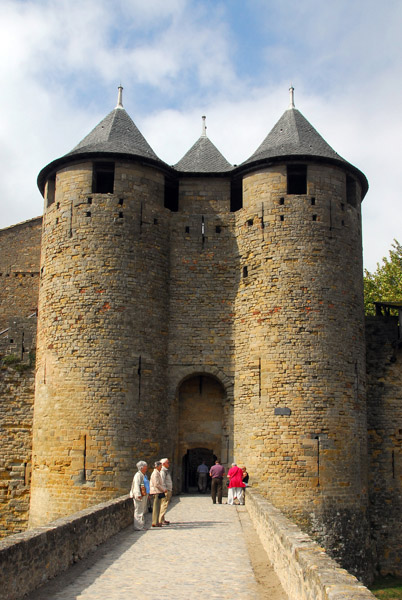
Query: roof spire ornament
(120, 97)
(204, 127)
(291, 96)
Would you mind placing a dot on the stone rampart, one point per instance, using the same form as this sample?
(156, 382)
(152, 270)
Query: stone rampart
(384, 411)
(19, 270)
(29, 559)
(306, 572)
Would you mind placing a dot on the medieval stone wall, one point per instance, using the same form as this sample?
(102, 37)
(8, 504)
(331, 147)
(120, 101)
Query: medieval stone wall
(203, 256)
(101, 338)
(384, 403)
(300, 412)
(19, 270)
(16, 410)
(19, 280)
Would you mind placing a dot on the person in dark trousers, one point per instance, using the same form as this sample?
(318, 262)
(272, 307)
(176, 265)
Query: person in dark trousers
(217, 473)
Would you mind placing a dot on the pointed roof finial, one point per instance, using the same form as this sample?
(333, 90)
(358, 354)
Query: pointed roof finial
(204, 127)
(120, 97)
(292, 96)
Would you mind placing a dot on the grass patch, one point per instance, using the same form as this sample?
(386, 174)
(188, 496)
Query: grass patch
(11, 359)
(387, 588)
(14, 361)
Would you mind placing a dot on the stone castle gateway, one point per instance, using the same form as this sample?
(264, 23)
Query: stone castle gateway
(208, 310)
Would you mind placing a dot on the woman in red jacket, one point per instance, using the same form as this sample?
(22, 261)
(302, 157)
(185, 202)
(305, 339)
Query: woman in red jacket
(236, 484)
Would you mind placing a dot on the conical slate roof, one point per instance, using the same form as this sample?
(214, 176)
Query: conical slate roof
(203, 157)
(115, 134)
(294, 137)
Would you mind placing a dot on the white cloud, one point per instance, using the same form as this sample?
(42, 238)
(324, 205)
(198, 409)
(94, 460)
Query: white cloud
(63, 59)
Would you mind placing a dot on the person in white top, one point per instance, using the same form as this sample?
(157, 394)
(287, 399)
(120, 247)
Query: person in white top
(139, 495)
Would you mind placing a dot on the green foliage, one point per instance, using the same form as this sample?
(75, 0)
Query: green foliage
(14, 361)
(385, 284)
(389, 588)
(11, 359)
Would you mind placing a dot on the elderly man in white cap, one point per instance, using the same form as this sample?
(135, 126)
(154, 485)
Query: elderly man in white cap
(168, 484)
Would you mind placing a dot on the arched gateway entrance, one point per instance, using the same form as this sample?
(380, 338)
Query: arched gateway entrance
(203, 427)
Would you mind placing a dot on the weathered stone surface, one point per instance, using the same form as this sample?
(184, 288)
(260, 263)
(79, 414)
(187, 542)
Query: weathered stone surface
(384, 397)
(16, 410)
(29, 559)
(305, 571)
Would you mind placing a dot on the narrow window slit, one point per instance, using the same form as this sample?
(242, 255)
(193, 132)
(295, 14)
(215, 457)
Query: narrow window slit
(139, 372)
(297, 179)
(84, 470)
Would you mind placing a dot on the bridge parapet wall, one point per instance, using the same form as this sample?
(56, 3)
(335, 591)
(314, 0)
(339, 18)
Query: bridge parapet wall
(29, 559)
(305, 571)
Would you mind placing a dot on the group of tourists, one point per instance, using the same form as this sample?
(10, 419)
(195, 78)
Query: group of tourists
(237, 481)
(160, 488)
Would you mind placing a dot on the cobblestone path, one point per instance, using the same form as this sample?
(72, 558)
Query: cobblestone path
(201, 554)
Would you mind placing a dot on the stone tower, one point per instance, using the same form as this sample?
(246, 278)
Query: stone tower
(204, 310)
(102, 345)
(300, 414)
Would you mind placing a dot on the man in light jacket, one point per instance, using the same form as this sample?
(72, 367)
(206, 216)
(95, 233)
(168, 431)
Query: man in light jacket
(139, 495)
(167, 482)
(157, 489)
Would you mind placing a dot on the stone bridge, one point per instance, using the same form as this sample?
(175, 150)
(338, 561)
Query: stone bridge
(218, 551)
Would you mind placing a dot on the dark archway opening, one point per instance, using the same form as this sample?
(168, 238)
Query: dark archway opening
(191, 460)
(201, 426)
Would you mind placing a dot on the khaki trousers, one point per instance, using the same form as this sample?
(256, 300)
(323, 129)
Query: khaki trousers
(156, 510)
(164, 504)
(139, 509)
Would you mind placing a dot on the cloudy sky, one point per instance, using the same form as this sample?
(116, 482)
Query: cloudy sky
(232, 60)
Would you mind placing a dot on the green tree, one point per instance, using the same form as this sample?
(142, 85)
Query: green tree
(385, 283)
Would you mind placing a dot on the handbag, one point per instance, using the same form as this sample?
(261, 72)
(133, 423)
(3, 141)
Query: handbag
(161, 495)
(143, 490)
